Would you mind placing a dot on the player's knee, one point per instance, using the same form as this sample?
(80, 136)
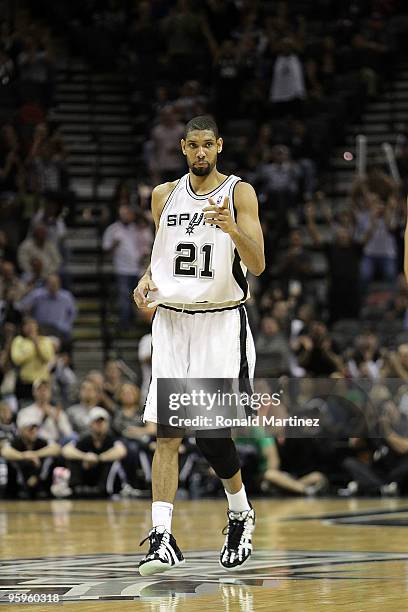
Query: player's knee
(221, 454)
(168, 445)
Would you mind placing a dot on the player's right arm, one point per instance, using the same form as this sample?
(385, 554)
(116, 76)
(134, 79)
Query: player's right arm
(146, 284)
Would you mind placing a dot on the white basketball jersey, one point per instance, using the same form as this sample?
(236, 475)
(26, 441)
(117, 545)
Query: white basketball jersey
(193, 262)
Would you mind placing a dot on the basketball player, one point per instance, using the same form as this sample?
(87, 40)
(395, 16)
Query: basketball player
(207, 235)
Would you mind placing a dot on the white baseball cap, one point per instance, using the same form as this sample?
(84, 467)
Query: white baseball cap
(98, 413)
(27, 419)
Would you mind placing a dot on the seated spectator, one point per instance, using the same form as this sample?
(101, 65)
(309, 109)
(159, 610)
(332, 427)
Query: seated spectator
(145, 356)
(395, 363)
(54, 422)
(52, 307)
(34, 278)
(365, 360)
(30, 460)
(7, 425)
(94, 459)
(385, 470)
(113, 379)
(104, 400)
(136, 436)
(271, 340)
(33, 355)
(316, 352)
(128, 420)
(129, 240)
(65, 379)
(78, 414)
(12, 290)
(274, 477)
(11, 287)
(40, 247)
(279, 178)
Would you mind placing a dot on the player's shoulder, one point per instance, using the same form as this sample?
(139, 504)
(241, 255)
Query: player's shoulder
(243, 190)
(163, 190)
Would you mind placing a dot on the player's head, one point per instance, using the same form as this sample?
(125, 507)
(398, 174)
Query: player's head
(201, 145)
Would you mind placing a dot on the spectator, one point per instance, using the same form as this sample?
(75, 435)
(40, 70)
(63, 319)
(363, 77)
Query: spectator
(375, 230)
(11, 287)
(98, 379)
(31, 460)
(145, 355)
(12, 290)
(53, 308)
(113, 379)
(7, 425)
(395, 363)
(287, 87)
(54, 423)
(128, 421)
(317, 352)
(48, 171)
(78, 414)
(366, 359)
(65, 379)
(36, 72)
(129, 243)
(136, 436)
(272, 343)
(166, 160)
(94, 459)
(295, 264)
(39, 247)
(34, 355)
(343, 256)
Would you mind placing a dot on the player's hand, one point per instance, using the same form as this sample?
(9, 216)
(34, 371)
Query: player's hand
(140, 293)
(219, 215)
(91, 458)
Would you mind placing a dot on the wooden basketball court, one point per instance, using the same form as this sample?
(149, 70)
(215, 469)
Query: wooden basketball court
(310, 556)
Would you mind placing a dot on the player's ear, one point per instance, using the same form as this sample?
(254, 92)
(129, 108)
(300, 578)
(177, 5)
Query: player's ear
(183, 146)
(220, 142)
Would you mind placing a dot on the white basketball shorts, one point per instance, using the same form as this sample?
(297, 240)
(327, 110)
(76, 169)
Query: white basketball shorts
(199, 344)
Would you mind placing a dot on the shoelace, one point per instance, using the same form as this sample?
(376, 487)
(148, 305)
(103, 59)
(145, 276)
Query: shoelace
(156, 542)
(234, 530)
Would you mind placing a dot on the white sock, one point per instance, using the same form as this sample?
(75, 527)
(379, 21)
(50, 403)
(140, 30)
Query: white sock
(238, 502)
(161, 514)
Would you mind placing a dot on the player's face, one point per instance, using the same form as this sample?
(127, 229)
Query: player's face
(201, 149)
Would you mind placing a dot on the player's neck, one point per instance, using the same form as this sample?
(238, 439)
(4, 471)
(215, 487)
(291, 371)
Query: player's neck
(205, 184)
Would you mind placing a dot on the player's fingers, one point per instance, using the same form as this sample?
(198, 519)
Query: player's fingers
(225, 203)
(210, 208)
(211, 201)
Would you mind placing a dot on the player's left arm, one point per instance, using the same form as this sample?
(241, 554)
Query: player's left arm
(246, 231)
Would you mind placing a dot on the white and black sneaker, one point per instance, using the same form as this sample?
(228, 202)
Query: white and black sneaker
(237, 547)
(164, 554)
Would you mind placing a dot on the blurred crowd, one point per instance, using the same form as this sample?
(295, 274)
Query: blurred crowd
(282, 79)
